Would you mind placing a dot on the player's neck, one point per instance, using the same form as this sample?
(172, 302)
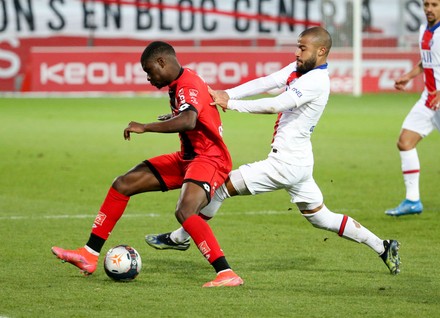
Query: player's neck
(430, 25)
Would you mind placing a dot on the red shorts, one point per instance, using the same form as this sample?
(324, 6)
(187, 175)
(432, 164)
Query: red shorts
(172, 171)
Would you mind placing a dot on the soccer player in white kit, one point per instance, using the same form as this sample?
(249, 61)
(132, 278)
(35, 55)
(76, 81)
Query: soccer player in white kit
(424, 116)
(289, 164)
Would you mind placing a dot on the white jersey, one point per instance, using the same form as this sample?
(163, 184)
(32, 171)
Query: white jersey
(299, 109)
(429, 44)
(422, 118)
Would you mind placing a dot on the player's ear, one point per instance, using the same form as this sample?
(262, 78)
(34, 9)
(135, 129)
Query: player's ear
(322, 51)
(161, 61)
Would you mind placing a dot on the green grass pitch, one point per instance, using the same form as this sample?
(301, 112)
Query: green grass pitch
(59, 156)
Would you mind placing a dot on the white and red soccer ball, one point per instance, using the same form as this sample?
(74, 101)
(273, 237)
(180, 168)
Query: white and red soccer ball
(122, 263)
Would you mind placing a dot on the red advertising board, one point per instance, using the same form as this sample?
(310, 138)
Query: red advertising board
(106, 69)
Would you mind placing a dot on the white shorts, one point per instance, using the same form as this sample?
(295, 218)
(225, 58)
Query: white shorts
(421, 119)
(271, 174)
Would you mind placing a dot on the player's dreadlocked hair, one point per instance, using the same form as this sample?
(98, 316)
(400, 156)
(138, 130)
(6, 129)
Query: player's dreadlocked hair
(154, 49)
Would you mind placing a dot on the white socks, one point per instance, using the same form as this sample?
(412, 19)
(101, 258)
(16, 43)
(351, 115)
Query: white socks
(346, 227)
(91, 251)
(179, 236)
(411, 173)
(341, 224)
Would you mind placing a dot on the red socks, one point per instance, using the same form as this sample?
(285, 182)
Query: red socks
(114, 206)
(111, 210)
(204, 238)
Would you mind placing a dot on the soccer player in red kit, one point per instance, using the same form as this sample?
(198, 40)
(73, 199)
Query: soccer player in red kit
(198, 169)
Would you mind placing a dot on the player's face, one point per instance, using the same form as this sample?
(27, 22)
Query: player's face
(306, 55)
(432, 11)
(156, 74)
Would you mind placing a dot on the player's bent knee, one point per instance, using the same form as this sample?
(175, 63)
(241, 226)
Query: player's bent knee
(403, 145)
(182, 214)
(120, 186)
(307, 208)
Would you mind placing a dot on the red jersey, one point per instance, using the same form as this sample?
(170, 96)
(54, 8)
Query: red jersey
(190, 93)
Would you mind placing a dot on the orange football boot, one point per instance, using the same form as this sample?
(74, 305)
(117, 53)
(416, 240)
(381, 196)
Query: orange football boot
(225, 278)
(80, 257)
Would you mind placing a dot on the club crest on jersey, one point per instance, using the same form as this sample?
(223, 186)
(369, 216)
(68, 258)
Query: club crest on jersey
(193, 92)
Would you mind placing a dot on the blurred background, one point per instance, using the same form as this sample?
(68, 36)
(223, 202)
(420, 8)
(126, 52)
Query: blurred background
(93, 46)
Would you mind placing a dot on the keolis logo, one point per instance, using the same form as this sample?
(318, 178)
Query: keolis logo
(94, 73)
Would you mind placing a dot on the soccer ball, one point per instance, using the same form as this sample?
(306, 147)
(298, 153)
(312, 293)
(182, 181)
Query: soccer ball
(122, 263)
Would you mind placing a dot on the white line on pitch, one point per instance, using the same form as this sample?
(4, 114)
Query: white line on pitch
(128, 215)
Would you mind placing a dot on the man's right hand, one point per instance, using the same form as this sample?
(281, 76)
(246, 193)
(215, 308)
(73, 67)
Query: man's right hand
(220, 98)
(401, 82)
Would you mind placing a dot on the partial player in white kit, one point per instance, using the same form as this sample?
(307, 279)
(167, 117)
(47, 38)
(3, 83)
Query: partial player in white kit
(424, 117)
(289, 164)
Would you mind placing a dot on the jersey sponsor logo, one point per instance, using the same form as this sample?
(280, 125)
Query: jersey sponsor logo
(426, 57)
(297, 92)
(100, 218)
(181, 96)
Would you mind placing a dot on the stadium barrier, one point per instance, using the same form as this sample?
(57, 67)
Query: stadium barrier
(117, 69)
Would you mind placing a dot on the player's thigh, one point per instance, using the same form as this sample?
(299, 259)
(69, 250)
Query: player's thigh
(305, 193)
(419, 120)
(137, 180)
(206, 174)
(192, 199)
(202, 178)
(267, 175)
(168, 170)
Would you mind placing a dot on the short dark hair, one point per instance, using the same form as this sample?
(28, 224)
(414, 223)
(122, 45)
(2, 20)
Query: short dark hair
(321, 36)
(156, 48)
